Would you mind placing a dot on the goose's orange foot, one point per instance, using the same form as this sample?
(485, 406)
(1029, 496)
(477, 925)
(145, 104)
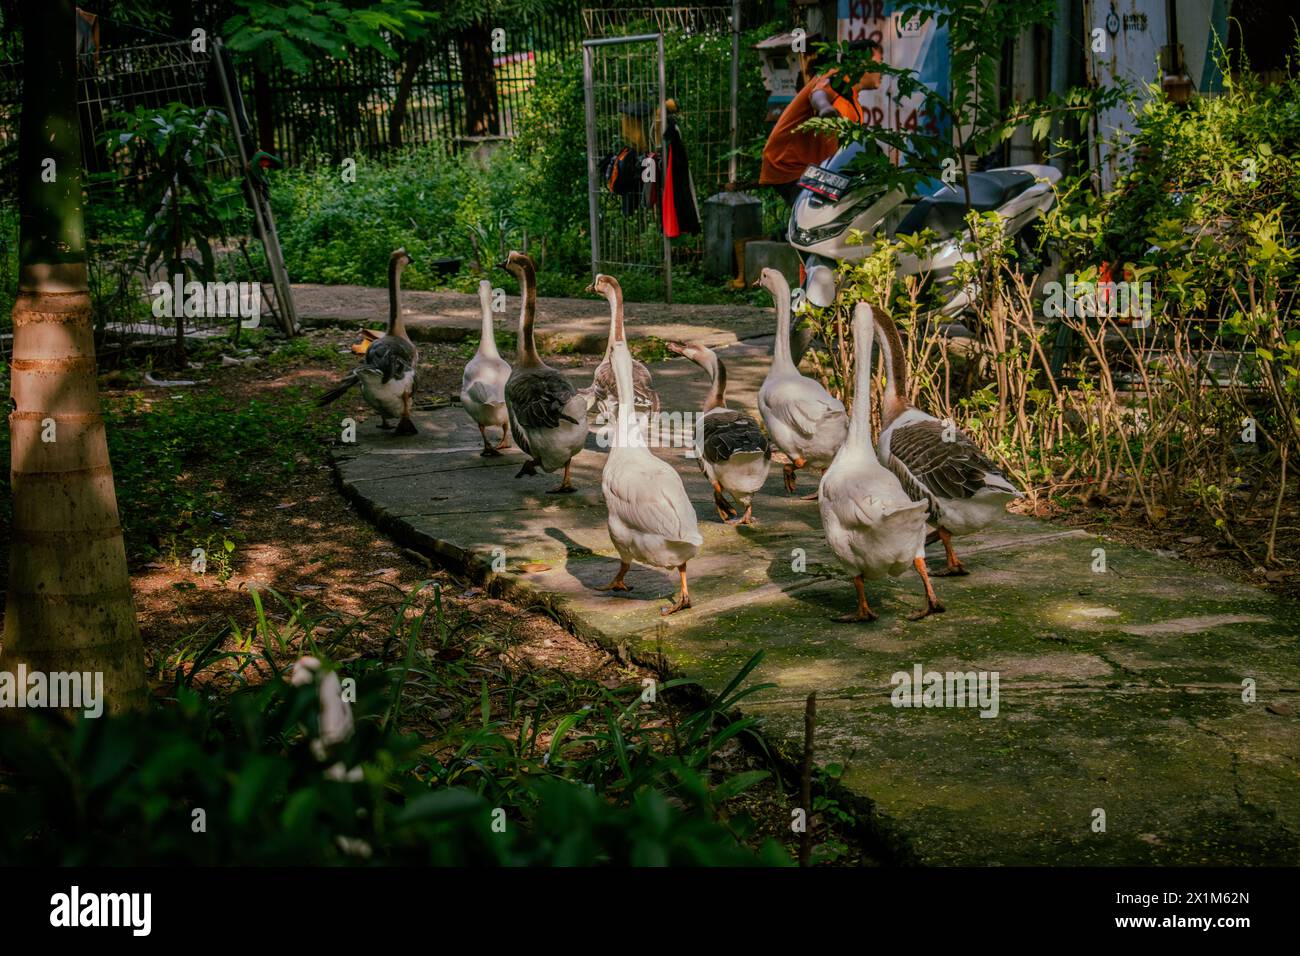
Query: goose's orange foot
(679, 604)
(857, 617)
(746, 519)
(935, 608)
(789, 476)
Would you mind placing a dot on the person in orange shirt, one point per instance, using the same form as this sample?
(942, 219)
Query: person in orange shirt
(789, 150)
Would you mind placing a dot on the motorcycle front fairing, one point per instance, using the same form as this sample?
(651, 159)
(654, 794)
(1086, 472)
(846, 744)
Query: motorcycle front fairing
(820, 226)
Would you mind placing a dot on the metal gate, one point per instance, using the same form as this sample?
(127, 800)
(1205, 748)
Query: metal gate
(623, 80)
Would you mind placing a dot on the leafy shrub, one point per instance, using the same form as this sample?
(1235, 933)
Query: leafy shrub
(125, 789)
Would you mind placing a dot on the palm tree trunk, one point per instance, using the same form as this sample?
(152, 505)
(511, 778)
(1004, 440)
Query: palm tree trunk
(69, 606)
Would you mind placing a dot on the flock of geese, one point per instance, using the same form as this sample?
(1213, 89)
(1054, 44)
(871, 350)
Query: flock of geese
(877, 500)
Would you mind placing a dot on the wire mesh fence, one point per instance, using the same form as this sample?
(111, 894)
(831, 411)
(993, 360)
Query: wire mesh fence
(692, 51)
(697, 75)
(623, 79)
(113, 83)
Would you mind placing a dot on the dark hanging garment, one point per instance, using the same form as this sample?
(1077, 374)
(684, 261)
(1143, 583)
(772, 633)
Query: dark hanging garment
(621, 172)
(678, 201)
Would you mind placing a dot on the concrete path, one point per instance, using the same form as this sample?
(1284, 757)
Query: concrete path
(579, 325)
(1120, 693)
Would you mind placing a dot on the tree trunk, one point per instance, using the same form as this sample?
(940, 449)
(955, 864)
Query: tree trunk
(263, 106)
(69, 605)
(411, 64)
(478, 78)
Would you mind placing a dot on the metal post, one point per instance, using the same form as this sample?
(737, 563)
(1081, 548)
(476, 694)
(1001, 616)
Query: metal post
(735, 87)
(663, 129)
(593, 212)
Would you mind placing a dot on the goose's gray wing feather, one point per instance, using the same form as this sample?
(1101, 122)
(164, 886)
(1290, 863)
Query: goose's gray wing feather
(537, 399)
(605, 389)
(928, 465)
(392, 356)
(726, 433)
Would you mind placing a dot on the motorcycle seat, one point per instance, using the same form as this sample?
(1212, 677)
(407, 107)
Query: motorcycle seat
(945, 211)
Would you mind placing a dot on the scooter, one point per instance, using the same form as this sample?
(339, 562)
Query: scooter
(832, 202)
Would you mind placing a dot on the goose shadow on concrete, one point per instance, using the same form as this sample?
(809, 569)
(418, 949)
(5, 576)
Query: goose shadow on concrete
(594, 570)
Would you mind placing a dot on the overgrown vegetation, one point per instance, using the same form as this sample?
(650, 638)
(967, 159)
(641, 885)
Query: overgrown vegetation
(1193, 417)
(503, 769)
(181, 457)
(475, 206)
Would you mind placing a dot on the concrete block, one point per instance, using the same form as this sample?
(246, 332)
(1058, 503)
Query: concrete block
(727, 218)
(763, 253)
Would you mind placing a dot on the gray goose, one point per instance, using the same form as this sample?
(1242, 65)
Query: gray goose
(603, 390)
(732, 450)
(935, 461)
(548, 418)
(387, 373)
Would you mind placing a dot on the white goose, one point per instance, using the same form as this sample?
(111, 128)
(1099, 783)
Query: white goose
(871, 524)
(732, 450)
(602, 392)
(802, 418)
(936, 462)
(483, 386)
(651, 520)
(387, 371)
(548, 418)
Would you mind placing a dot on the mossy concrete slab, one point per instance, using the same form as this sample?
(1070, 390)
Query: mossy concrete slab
(1118, 691)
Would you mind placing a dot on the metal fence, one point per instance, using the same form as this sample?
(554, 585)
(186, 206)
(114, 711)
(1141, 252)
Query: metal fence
(366, 104)
(116, 81)
(701, 87)
(686, 70)
(624, 86)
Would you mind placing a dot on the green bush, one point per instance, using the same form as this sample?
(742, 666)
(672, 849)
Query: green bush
(127, 789)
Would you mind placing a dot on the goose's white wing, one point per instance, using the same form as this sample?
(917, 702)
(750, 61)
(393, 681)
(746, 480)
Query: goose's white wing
(801, 403)
(486, 393)
(862, 499)
(647, 495)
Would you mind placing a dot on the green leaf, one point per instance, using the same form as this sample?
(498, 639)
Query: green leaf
(737, 784)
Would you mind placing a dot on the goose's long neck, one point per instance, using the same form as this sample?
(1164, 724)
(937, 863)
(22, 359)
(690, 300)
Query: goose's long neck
(896, 365)
(395, 324)
(629, 433)
(860, 422)
(527, 310)
(781, 350)
(487, 340)
(717, 397)
(616, 333)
